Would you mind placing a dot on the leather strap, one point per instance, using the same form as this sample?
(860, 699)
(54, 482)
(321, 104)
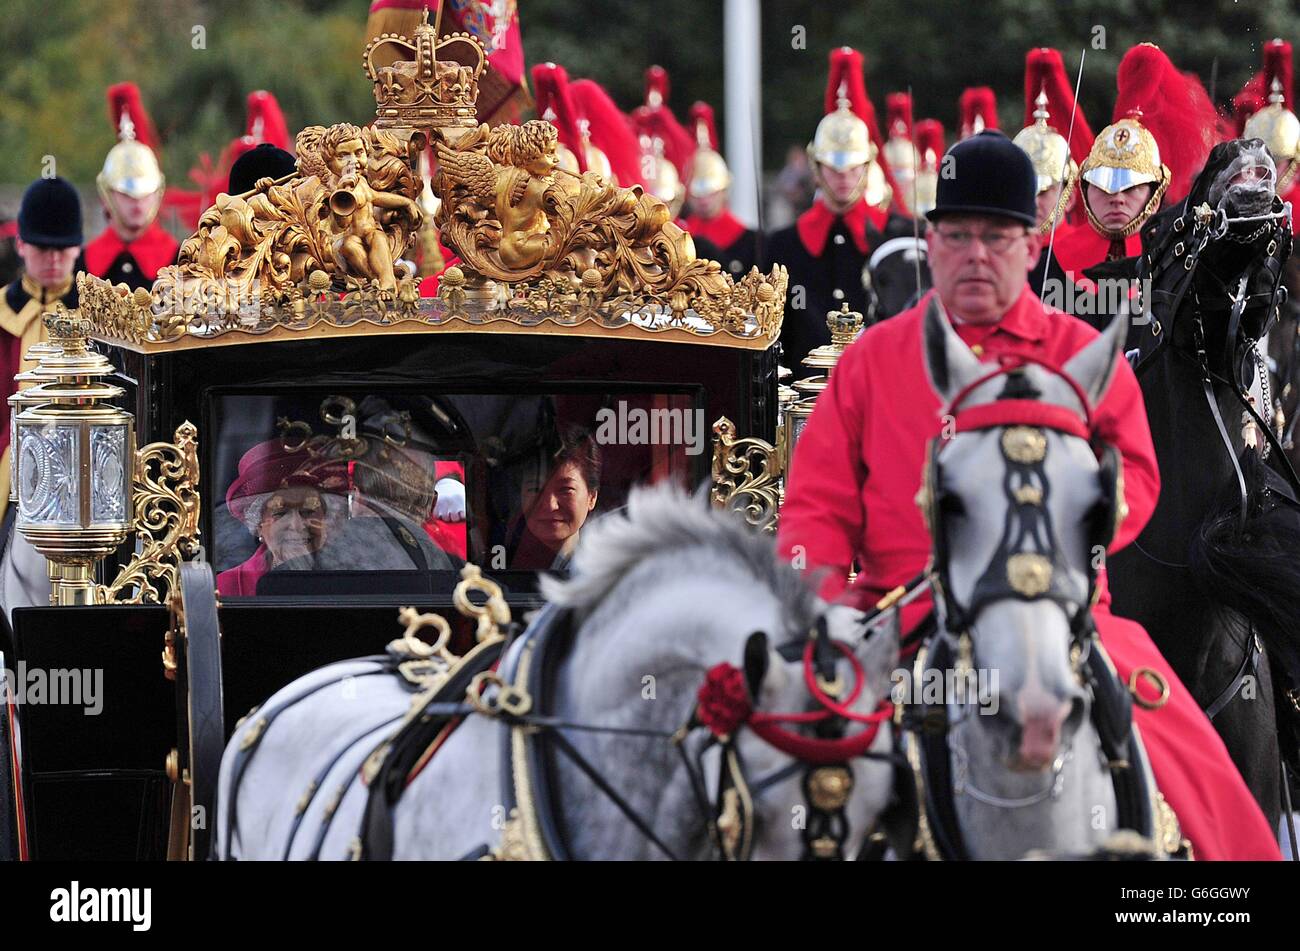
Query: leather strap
(1249, 663)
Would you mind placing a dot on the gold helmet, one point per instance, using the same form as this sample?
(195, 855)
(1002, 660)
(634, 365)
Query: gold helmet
(1276, 124)
(707, 173)
(131, 167)
(1125, 154)
(1050, 154)
(844, 138)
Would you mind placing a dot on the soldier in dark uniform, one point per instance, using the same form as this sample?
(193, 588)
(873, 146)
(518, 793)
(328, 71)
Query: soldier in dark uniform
(49, 241)
(827, 248)
(719, 235)
(133, 247)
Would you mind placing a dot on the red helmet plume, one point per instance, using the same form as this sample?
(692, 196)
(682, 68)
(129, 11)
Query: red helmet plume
(898, 115)
(1045, 72)
(266, 121)
(979, 110)
(706, 131)
(552, 91)
(1173, 106)
(124, 99)
(656, 120)
(1277, 65)
(929, 138)
(609, 128)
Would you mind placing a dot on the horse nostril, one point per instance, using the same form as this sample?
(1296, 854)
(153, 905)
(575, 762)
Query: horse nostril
(1040, 733)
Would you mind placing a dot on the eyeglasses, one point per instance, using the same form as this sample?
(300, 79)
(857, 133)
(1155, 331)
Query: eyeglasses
(960, 239)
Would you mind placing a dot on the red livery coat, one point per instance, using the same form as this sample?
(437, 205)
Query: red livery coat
(856, 470)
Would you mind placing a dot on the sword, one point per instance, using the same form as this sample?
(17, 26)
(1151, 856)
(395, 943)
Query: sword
(916, 224)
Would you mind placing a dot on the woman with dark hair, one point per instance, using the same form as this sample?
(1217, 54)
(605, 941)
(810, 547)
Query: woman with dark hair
(555, 504)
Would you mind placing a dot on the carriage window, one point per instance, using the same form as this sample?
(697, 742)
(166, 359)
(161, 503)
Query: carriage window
(346, 494)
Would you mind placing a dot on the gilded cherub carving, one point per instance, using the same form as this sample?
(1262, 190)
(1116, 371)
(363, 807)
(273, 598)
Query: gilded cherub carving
(513, 214)
(350, 212)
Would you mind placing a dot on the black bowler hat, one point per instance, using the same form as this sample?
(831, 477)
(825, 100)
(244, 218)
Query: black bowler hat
(50, 215)
(264, 161)
(987, 174)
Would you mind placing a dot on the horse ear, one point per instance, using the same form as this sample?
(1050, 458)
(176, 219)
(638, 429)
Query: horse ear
(949, 363)
(1093, 367)
(756, 660)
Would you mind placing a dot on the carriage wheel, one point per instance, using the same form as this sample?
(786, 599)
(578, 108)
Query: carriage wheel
(199, 699)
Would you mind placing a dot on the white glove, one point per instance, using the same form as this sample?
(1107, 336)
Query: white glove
(451, 500)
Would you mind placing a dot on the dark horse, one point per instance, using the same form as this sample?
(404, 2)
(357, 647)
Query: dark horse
(1216, 572)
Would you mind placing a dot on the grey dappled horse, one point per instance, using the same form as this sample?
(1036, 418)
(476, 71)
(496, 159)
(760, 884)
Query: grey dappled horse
(665, 591)
(1027, 767)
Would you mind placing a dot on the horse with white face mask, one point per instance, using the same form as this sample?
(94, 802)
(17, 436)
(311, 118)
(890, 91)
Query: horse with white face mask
(1033, 748)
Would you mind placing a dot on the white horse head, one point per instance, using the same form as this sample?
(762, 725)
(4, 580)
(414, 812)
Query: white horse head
(1015, 514)
(662, 594)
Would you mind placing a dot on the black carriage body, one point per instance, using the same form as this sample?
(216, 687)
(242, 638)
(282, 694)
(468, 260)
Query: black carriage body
(97, 786)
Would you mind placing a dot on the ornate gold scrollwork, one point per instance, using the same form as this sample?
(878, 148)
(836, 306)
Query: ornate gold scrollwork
(166, 493)
(1168, 831)
(1029, 574)
(746, 476)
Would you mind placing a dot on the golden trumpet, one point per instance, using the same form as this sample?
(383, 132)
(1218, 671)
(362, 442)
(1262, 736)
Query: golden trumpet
(343, 201)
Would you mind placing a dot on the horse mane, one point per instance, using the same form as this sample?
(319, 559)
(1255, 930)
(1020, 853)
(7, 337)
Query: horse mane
(666, 520)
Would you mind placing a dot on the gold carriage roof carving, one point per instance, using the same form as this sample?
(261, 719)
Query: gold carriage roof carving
(320, 252)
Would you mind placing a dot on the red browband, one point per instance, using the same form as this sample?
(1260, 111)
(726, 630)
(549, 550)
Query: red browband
(1021, 413)
(1013, 412)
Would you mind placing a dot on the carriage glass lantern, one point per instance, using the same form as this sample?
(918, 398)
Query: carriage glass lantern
(845, 327)
(23, 398)
(74, 452)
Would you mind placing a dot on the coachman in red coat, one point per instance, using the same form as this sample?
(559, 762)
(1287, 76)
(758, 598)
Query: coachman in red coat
(859, 460)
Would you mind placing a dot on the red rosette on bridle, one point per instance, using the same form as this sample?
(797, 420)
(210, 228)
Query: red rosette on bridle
(723, 701)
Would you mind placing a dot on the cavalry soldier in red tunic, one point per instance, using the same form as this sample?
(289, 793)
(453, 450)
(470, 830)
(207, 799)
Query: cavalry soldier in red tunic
(1163, 129)
(859, 460)
(719, 235)
(133, 247)
(827, 248)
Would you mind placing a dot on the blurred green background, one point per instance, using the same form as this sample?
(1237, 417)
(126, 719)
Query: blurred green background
(58, 56)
